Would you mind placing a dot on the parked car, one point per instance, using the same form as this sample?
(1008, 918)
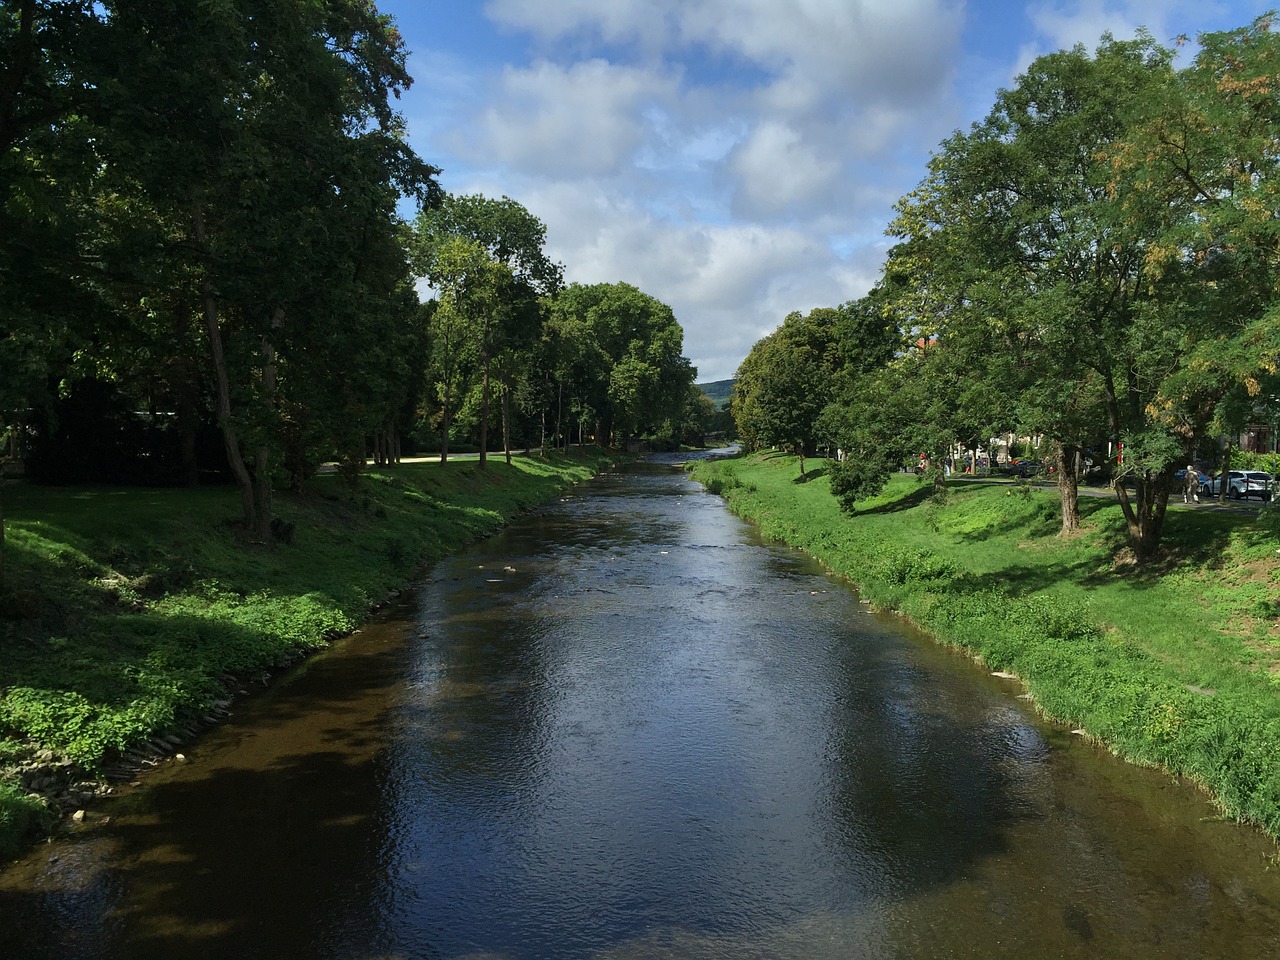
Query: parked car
(1242, 484)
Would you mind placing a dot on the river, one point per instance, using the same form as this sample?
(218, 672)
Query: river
(626, 727)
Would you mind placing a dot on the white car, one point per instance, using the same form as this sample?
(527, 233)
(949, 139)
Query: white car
(1242, 484)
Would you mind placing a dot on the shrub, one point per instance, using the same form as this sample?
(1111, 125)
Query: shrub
(903, 565)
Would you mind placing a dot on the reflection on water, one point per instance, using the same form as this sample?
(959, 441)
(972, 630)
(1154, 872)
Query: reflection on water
(626, 728)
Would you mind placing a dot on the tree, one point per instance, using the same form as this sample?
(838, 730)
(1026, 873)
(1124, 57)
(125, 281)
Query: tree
(50, 297)
(1017, 243)
(698, 417)
(513, 238)
(470, 284)
(262, 145)
(785, 382)
(1201, 166)
(620, 356)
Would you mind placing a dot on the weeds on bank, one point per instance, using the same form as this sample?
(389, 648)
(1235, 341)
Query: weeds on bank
(1172, 665)
(128, 612)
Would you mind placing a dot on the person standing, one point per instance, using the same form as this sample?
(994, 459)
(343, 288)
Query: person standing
(1191, 485)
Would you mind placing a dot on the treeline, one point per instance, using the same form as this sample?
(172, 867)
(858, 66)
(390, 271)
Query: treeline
(1097, 262)
(204, 266)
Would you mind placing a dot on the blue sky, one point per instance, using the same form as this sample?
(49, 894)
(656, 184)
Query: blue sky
(736, 159)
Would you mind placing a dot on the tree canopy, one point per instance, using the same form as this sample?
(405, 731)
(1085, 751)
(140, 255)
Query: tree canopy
(201, 231)
(1093, 264)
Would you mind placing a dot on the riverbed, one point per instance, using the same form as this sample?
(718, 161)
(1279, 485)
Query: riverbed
(627, 727)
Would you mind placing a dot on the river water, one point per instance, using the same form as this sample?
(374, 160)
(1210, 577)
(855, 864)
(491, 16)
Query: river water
(626, 727)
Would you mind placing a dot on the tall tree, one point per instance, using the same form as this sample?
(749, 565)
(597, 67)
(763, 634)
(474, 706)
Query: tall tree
(621, 351)
(512, 238)
(1016, 241)
(51, 296)
(1202, 167)
(265, 146)
(469, 284)
(785, 382)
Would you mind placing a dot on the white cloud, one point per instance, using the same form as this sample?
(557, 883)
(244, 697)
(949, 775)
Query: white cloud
(892, 46)
(584, 119)
(1061, 25)
(729, 284)
(778, 169)
(736, 159)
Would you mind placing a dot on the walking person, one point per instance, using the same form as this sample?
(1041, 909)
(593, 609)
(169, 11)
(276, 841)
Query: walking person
(1191, 485)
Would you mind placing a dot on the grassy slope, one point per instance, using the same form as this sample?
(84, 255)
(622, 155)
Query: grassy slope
(128, 612)
(1174, 666)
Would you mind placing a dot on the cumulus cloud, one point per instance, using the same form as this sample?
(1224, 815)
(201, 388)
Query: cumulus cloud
(736, 159)
(777, 169)
(586, 118)
(729, 283)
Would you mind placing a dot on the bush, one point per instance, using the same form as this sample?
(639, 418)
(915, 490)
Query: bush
(20, 817)
(902, 565)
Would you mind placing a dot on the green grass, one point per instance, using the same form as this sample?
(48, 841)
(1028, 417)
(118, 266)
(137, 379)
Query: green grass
(1174, 665)
(127, 613)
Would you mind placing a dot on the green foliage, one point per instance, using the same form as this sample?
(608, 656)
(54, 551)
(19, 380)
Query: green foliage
(900, 566)
(20, 818)
(861, 476)
(618, 357)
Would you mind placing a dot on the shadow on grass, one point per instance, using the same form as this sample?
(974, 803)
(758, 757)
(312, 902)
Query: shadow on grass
(811, 475)
(74, 618)
(907, 502)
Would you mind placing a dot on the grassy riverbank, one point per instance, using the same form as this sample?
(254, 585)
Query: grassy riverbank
(127, 614)
(1175, 665)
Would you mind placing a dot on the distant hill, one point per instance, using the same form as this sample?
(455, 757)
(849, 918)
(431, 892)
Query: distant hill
(718, 391)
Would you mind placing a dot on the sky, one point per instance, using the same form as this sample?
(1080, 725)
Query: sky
(736, 159)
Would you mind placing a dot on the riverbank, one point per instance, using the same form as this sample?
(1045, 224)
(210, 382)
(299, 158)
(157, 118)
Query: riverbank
(131, 618)
(1174, 665)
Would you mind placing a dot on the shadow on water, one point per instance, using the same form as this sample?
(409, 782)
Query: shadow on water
(627, 728)
(269, 830)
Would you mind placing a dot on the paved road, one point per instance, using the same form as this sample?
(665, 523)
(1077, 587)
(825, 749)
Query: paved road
(1091, 490)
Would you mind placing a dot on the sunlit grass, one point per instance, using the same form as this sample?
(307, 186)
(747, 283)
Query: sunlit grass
(127, 612)
(1173, 664)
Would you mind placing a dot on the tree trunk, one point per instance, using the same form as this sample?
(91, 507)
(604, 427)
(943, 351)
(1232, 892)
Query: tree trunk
(559, 416)
(222, 383)
(484, 411)
(1066, 457)
(445, 422)
(506, 425)
(1144, 512)
(2, 465)
(1224, 479)
(262, 458)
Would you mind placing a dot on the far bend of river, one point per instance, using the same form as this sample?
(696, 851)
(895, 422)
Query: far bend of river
(627, 727)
